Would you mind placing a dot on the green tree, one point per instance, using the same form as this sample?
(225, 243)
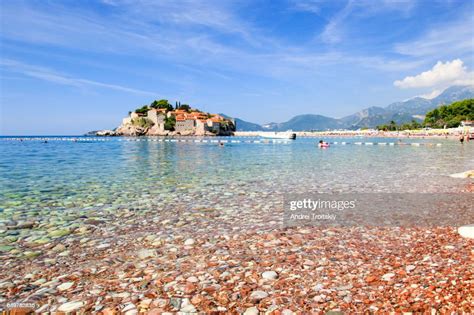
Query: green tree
(392, 126)
(142, 110)
(185, 107)
(170, 123)
(142, 122)
(450, 115)
(161, 104)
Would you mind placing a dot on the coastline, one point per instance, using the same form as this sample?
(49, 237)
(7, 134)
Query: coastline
(227, 253)
(452, 134)
(128, 262)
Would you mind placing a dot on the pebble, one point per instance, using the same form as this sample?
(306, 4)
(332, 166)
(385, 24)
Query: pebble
(269, 275)
(192, 279)
(467, 231)
(388, 276)
(189, 242)
(410, 268)
(130, 309)
(103, 246)
(318, 287)
(256, 296)
(59, 248)
(71, 306)
(59, 233)
(146, 253)
(251, 311)
(65, 286)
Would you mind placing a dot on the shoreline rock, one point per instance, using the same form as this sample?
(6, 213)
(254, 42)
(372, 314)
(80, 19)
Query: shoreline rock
(467, 231)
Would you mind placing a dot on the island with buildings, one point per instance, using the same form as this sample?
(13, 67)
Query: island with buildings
(161, 118)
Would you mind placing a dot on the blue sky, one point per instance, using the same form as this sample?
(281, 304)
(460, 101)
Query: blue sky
(68, 67)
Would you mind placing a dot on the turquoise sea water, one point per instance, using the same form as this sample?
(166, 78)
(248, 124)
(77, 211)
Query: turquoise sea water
(39, 178)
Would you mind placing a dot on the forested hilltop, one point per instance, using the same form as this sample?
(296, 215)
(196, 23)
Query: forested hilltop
(449, 116)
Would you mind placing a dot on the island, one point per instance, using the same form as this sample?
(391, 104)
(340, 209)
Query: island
(160, 118)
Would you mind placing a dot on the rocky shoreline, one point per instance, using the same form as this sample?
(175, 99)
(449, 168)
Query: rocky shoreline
(204, 260)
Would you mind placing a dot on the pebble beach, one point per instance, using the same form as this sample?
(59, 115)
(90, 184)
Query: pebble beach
(137, 234)
(133, 264)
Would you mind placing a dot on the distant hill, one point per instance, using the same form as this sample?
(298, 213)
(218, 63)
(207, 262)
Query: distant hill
(400, 112)
(450, 115)
(415, 108)
(245, 125)
(305, 122)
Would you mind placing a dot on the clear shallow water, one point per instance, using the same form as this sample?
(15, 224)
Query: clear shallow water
(40, 178)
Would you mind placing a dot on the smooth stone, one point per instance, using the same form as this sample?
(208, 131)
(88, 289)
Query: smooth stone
(130, 309)
(251, 311)
(388, 276)
(269, 275)
(24, 225)
(65, 286)
(103, 246)
(39, 281)
(175, 302)
(258, 295)
(6, 248)
(410, 268)
(466, 231)
(192, 279)
(29, 254)
(59, 233)
(146, 253)
(65, 253)
(42, 241)
(59, 248)
(188, 308)
(189, 242)
(71, 306)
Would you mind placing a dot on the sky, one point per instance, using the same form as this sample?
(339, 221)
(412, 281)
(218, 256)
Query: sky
(68, 67)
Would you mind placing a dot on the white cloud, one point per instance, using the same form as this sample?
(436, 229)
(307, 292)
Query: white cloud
(311, 6)
(49, 75)
(441, 75)
(334, 31)
(442, 40)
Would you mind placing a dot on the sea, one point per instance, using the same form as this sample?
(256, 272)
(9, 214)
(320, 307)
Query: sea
(43, 176)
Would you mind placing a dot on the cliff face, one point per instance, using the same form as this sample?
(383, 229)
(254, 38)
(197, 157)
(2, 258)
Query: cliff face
(130, 129)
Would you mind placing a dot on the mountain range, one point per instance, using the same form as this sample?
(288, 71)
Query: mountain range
(400, 112)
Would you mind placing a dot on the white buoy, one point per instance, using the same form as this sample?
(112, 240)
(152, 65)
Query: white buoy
(467, 231)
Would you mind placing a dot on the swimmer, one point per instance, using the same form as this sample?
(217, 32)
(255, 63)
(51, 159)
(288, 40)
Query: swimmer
(323, 144)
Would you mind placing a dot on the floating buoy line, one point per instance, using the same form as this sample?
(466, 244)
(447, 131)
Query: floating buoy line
(257, 141)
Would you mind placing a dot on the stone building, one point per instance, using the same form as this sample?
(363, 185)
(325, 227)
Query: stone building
(157, 116)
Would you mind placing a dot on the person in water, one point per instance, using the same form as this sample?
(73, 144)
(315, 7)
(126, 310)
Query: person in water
(461, 139)
(323, 144)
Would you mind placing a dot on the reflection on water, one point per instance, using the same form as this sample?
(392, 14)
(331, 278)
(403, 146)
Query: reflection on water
(56, 175)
